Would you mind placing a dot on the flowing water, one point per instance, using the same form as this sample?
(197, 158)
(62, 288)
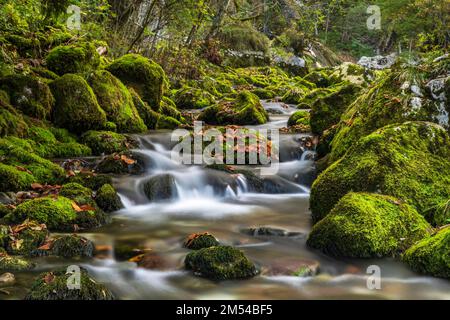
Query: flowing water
(212, 201)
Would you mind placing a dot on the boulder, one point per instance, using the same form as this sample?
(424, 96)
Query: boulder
(76, 58)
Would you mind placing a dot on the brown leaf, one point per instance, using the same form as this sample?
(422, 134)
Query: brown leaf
(49, 278)
(46, 246)
(127, 160)
(70, 173)
(37, 186)
(137, 258)
(23, 169)
(87, 207)
(76, 207)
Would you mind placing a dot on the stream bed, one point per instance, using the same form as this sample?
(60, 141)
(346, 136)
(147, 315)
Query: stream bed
(204, 203)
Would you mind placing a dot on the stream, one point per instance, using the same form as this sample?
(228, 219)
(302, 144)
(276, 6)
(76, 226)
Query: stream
(205, 203)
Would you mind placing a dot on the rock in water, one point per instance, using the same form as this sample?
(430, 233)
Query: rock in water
(220, 263)
(53, 286)
(199, 241)
(7, 279)
(161, 187)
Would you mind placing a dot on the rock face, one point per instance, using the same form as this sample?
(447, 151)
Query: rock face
(143, 75)
(220, 263)
(76, 107)
(53, 286)
(77, 58)
(115, 99)
(245, 109)
(407, 161)
(363, 225)
(431, 255)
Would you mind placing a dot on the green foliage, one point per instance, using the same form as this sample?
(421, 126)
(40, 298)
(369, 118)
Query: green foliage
(363, 225)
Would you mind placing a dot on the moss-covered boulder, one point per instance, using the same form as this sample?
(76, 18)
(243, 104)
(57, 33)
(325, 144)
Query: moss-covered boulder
(13, 179)
(107, 142)
(123, 163)
(245, 109)
(115, 99)
(326, 109)
(90, 180)
(142, 74)
(404, 94)
(76, 58)
(9, 263)
(11, 121)
(293, 95)
(108, 199)
(24, 239)
(301, 117)
(193, 98)
(76, 107)
(160, 187)
(168, 123)
(72, 246)
(408, 161)
(363, 225)
(169, 108)
(20, 160)
(78, 193)
(199, 241)
(29, 94)
(220, 263)
(147, 114)
(53, 286)
(431, 255)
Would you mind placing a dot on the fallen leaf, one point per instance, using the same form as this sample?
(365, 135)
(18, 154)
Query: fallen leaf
(127, 160)
(36, 186)
(76, 207)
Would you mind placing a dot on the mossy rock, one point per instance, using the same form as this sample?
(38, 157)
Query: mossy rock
(29, 238)
(106, 142)
(56, 214)
(147, 114)
(363, 225)
(431, 255)
(76, 107)
(220, 263)
(11, 121)
(326, 110)
(407, 161)
(29, 94)
(200, 241)
(19, 154)
(169, 108)
(160, 187)
(72, 246)
(47, 145)
(300, 117)
(115, 164)
(319, 77)
(108, 199)
(53, 286)
(115, 99)
(293, 96)
(91, 181)
(13, 179)
(4, 232)
(264, 94)
(9, 263)
(167, 123)
(78, 193)
(142, 74)
(193, 98)
(245, 109)
(77, 58)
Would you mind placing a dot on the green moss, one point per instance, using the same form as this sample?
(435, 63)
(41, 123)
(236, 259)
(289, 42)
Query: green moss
(115, 99)
(300, 117)
(148, 115)
(20, 154)
(243, 37)
(145, 76)
(108, 199)
(28, 239)
(29, 94)
(57, 288)
(77, 58)
(220, 263)
(264, 93)
(293, 96)
(431, 255)
(408, 161)
(363, 225)
(44, 73)
(72, 246)
(91, 181)
(245, 109)
(76, 192)
(201, 241)
(160, 187)
(193, 98)
(319, 77)
(8, 263)
(165, 122)
(12, 179)
(169, 108)
(11, 122)
(327, 110)
(106, 142)
(56, 214)
(76, 107)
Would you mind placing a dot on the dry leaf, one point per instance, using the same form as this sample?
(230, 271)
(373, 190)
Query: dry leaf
(76, 207)
(127, 160)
